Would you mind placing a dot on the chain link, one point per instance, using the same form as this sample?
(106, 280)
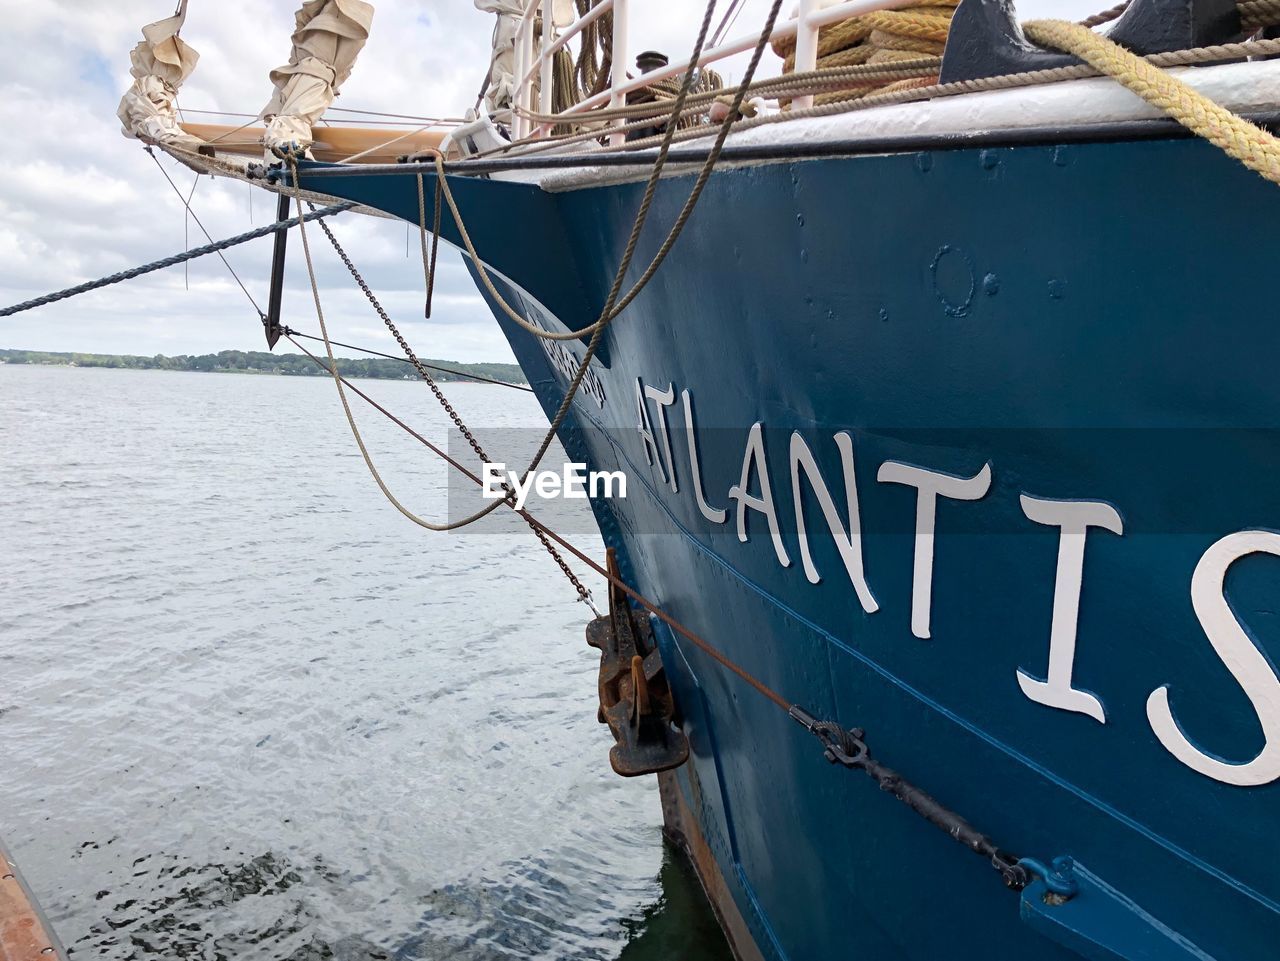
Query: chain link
(584, 595)
(848, 747)
(404, 345)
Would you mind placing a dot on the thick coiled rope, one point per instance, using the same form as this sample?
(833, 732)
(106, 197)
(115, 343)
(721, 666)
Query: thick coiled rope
(1250, 144)
(1258, 14)
(595, 55)
(666, 91)
(880, 37)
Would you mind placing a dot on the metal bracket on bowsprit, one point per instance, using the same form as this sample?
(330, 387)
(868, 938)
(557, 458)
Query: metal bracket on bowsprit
(271, 322)
(635, 699)
(986, 41)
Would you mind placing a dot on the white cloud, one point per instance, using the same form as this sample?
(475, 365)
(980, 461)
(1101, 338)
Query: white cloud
(78, 200)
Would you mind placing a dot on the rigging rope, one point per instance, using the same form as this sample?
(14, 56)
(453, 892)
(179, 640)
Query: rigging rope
(584, 595)
(404, 360)
(1106, 16)
(772, 88)
(186, 202)
(346, 406)
(614, 306)
(173, 260)
(726, 22)
(840, 745)
(581, 373)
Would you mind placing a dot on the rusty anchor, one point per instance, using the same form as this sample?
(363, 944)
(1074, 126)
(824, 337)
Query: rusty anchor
(635, 699)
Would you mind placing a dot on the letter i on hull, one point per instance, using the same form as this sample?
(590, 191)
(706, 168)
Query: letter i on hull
(1074, 518)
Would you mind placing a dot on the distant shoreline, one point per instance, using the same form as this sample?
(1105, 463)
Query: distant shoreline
(260, 362)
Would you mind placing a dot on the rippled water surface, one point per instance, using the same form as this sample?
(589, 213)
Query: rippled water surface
(249, 711)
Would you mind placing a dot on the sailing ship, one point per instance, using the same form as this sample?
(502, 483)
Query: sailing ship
(941, 372)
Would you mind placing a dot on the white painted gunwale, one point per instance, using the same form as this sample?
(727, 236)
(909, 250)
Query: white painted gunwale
(1241, 87)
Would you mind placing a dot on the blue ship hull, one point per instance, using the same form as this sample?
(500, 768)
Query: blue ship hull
(1082, 323)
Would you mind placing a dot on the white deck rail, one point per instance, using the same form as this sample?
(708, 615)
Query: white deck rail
(537, 63)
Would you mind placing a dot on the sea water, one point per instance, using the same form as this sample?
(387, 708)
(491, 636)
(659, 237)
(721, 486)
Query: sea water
(248, 710)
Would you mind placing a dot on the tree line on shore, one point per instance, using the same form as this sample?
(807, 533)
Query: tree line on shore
(260, 362)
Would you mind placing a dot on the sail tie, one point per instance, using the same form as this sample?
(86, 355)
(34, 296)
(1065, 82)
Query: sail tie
(159, 64)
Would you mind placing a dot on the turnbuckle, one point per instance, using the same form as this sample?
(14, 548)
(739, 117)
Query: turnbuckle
(839, 746)
(1012, 872)
(848, 747)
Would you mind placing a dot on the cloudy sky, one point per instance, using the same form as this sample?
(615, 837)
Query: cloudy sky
(78, 200)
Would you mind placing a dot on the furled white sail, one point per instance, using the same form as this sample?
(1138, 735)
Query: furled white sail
(159, 64)
(327, 37)
(563, 13)
(500, 90)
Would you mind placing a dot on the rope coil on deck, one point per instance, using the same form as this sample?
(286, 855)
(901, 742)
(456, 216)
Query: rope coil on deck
(854, 72)
(879, 36)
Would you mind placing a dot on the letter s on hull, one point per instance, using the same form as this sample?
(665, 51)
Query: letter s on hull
(1241, 656)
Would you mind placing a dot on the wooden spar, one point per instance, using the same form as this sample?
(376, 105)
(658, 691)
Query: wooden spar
(25, 935)
(333, 144)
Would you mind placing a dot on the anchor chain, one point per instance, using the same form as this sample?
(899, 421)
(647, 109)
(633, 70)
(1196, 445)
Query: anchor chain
(840, 746)
(584, 595)
(848, 747)
(404, 344)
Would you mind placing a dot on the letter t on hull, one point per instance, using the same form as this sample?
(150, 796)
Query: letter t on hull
(931, 485)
